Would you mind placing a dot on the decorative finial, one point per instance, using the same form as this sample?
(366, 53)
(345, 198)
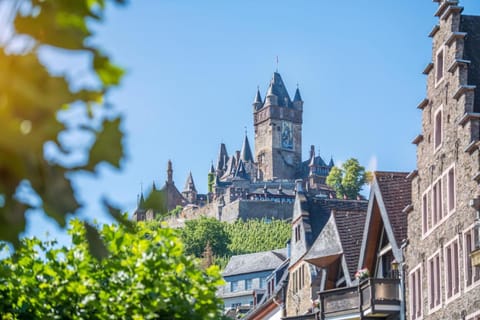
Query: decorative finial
(245, 130)
(277, 64)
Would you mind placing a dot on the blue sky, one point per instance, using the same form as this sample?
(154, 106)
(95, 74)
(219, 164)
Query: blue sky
(193, 68)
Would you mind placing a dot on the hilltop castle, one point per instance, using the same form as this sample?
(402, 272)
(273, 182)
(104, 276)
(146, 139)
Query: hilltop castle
(260, 184)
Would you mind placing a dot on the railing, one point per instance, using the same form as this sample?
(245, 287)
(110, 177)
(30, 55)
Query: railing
(369, 297)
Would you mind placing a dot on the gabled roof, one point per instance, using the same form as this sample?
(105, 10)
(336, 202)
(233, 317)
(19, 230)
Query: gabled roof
(396, 192)
(341, 235)
(390, 193)
(314, 213)
(255, 262)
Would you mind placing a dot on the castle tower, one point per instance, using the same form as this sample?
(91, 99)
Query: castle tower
(190, 192)
(278, 132)
(442, 234)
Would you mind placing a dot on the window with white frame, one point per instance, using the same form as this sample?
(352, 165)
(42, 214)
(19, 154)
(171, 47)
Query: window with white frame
(233, 286)
(437, 202)
(451, 189)
(438, 132)
(415, 287)
(440, 61)
(248, 284)
(472, 274)
(434, 284)
(452, 272)
(263, 282)
(425, 211)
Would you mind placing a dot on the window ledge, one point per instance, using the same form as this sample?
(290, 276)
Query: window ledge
(423, 104)
(463, 89)
(457, 63)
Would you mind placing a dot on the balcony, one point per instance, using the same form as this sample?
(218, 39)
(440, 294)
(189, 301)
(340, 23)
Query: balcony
(372, 298)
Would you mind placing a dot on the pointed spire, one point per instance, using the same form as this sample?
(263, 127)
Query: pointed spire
(189, 184)
(141, 205)
(297, 97)
(257, 103)
(222, 159)
(277, 93)
(331, 163)
(212, 169)
(154, 187)
(169, 172)
(246, 153)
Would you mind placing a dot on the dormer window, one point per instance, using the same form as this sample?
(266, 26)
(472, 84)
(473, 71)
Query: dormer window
(439, 65)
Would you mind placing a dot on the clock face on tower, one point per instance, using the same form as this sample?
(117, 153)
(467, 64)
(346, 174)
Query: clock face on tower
(287, 135)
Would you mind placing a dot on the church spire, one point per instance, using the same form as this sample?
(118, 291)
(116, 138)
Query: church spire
(169, 172)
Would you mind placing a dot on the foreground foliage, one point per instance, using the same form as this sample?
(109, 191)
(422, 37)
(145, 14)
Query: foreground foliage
(146, 276)
(228, 239)
(348, 180)
(32, 97)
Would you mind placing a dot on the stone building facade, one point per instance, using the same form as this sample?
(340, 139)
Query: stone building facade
(441, 282)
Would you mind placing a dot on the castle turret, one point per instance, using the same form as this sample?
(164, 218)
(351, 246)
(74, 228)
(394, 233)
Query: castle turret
(211, 179)
(189, 191)
(297, 100)
(222, 160)
(257, 102)
(246, 153)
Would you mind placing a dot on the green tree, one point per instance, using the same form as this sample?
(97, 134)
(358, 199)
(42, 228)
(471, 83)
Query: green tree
(199, 232)
(32, 98)
(146, 276)
(348, 180)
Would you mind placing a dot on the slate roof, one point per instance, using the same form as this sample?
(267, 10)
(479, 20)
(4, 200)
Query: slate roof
(277, 88)
(189, 184)
(246, 153)
(396, 193)
(297, 97)
(255, 262)
(350, 227)
(341, 235)
(222, 157)
(471, 25)
(320, 210)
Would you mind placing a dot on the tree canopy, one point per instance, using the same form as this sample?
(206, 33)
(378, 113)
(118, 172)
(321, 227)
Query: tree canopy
(147, 275)
(33, 99)
(348, 180)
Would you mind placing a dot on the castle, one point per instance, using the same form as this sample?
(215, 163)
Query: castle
(255, 185)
